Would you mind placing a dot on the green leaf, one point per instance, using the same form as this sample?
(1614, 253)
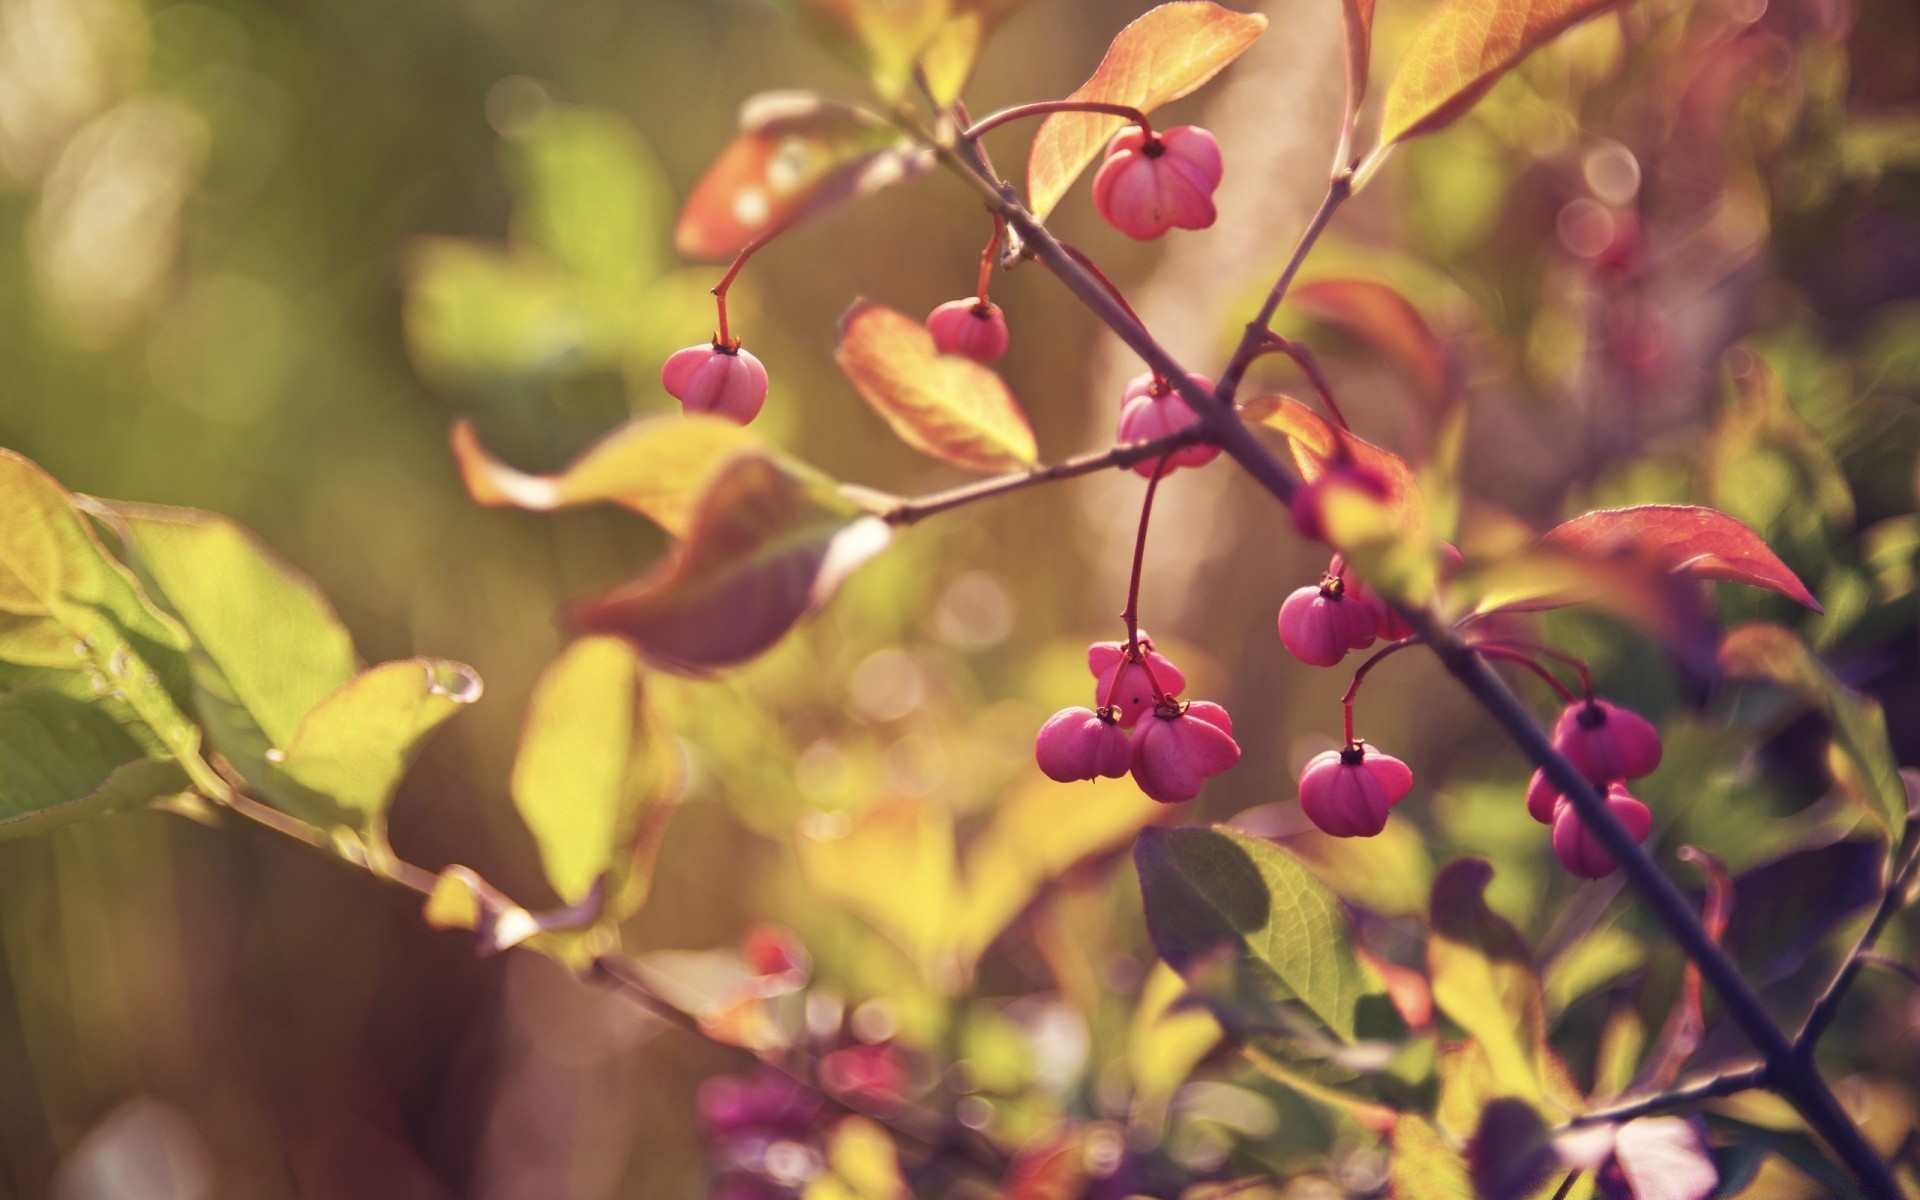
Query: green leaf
(349, 752)
(1424, 1166)
(1860, 756)
(895, 867)
(590, 196)
(66, 606)
(63, 761)
(594, 776)
(1484, 979)
(267, 646)
(1218, 898)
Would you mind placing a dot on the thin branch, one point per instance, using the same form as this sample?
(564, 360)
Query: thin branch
(906, 512)
(1827, 1007)
(1310, 367)
(1261, 327)
(1712, 1087)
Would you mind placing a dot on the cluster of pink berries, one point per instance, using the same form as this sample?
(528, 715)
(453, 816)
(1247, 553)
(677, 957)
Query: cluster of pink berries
(1608, 745)
(1175, 745)
(1319, 624)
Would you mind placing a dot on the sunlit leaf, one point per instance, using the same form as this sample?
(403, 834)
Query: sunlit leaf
(1390, 874)
(1860, 756)
(1317, 445)
(1165, 54)
(1484, 979)
(67, 607)
(883, 38)
(862, 1164)
(723, 992)
(940, 404)
(657, 467)
(476, 313)
(461, 899)
(895, 867)
(349, 751)
(1213, 896)
(590, 196)
(1424, 1166)
(63, 761)
(948, 58)
(764, 547)
(1169, 1035)
(594, 773)
(1388, 323)
(1464, 49)
(796, 156)
(1033, 840)
(1697, 542)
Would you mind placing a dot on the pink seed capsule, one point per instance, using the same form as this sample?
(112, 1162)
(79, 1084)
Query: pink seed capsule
(1132, 696)
(1078, 743)
(1347, 792)
(1542, 798)
(1147, 411)
(1176, 749)
(1318, 625)
(1147, 186)
(1579, 851)
(1607, 742)
(974, 329)
(713, 379)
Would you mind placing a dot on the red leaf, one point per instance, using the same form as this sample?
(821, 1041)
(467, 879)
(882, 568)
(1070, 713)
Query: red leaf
(1385, 320)
(1317, 444)
(1699, 542)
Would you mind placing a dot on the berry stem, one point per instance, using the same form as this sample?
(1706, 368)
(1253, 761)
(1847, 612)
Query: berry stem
(1132, 614)
(1261, 327)
(1310, 367)
(987, 256)
(723, 338)
(1576, 664)
(906, 512)
(1513, 654)
(1041, 108)
(1353, 689)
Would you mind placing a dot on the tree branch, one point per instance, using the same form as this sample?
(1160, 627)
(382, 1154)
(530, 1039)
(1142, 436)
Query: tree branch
(1827, 1007)
(906, 512)
(1725, 1083)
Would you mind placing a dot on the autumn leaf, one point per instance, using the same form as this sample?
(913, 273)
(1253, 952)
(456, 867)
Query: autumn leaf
(1165, 54)
(796, 157)
(1356, 17)
(1463, 50)
(1699, 542)
(765, 546)
(940, 404)
(1484, 978)
(1388, 323)
(1317, 444)
(949, 56)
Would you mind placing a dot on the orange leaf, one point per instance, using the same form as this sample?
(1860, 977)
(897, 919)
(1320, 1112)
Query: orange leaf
(1464, 49)
(796, 157)
(765, 547)
(1317, 443)
(655, 467)
(1700, 542)
(940, 404)
(1165, 54)
(1385, 320)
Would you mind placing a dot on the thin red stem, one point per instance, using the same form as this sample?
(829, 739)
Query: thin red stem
(1042, 108)
(1132, 614)
(1353, 689)
(723, 338)
(1513, 655)
(987, 257)
(1310, 367)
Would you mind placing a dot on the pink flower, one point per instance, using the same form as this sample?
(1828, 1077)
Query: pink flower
(1133, 694)
(711, 379)
(1178, 748)
(1606, 742)
(1147, 412)
(1318, 625)
(1347, 792)
(1579, 851)
(974, 329)
(1147, 186)
(1077, 743)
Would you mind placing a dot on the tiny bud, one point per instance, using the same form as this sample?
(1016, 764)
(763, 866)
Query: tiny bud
(1607, 742)
(1176, 749)
(1318, 625)
(1126, 683)
(1146, 414)
(1078, 743)
(711, 379)
(1147, 186)
(1348, 792)
(974, 329)
(1579, 851)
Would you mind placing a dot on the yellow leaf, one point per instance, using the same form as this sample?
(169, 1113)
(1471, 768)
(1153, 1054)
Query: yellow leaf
(1165, 54)
(895, 867)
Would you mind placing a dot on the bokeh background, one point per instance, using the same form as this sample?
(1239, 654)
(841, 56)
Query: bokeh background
(256, 256)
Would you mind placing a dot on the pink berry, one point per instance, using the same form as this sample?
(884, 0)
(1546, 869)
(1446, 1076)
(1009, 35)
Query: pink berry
(713, 379)
(1148, 411)
(1347, 792)
(1579, 851)
(1147, 186)
(1177, 749)
(974, 329)
(1133, 695)
(1318, 625)
(1606, 742)
(1542, 798)
(1078, 743)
